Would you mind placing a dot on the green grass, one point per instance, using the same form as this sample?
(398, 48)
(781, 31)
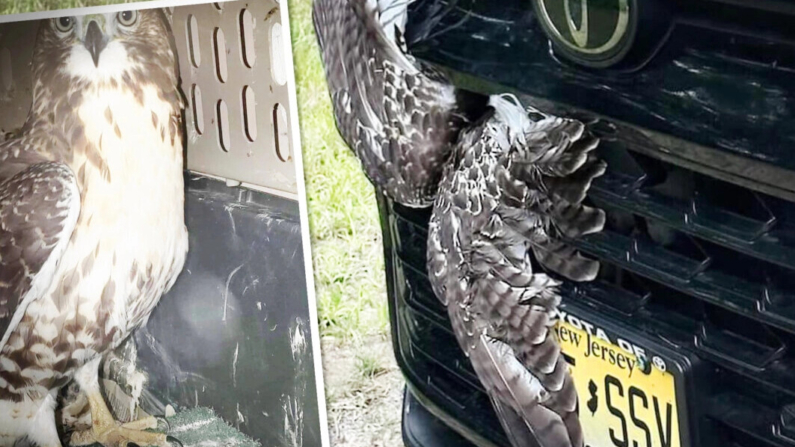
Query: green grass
(343, 218)
(346, 237)
(369, 365)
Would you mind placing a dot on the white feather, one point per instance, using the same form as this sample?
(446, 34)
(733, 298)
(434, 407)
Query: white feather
(88, 376)
(511, 115)
(113, 63)
(393, 15)
(36, 419)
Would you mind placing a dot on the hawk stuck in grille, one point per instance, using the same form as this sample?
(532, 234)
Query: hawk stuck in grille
(508, 185)
(515, 187)
(92, 230)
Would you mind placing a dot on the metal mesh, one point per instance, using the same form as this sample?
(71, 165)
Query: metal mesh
(234, 79)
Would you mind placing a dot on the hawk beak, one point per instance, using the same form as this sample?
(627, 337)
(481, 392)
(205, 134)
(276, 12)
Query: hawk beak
(95, 41)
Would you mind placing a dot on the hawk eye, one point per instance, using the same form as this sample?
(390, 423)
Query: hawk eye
(64, 24)
(127, 18)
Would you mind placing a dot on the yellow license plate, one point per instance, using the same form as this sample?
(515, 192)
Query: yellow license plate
(623, 403)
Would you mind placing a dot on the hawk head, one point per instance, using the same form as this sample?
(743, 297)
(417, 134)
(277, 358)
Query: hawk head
(105, 49)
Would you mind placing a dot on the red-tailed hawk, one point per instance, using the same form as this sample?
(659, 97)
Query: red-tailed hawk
(399, 116)
(513, 192)
(513, 187)
(91, 216)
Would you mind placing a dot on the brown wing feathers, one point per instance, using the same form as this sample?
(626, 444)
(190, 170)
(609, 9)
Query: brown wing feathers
(512, 191)
(38, 210)
(400, 120)
(514, 187)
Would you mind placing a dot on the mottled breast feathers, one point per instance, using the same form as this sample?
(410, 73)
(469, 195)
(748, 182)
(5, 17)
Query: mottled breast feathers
(92, 228)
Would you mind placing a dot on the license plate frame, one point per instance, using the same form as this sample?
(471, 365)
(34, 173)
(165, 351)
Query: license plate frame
(629, 342)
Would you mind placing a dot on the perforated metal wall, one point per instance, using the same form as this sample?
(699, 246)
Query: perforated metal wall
(234, 78)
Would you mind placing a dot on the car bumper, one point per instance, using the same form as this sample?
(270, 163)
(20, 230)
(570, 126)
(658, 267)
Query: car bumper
(421, 428)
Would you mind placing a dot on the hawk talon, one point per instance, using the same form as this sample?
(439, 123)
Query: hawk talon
(170, 440)
(162, 420)
(105, 429)
(122, 437)
(156, 423)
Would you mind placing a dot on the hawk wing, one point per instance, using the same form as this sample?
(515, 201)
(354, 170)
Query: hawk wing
(39, 207)
(516, 187)
(399, 120)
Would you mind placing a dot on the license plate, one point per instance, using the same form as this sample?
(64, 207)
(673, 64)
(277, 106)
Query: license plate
(623, 403)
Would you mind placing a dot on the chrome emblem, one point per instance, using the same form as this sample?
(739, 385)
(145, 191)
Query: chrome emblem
(595, 32)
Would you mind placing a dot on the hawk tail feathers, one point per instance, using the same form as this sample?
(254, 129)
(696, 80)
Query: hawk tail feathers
(575, 220)
(519, 434)
(549, 170)
(576, 146)
(565, 260)
(552, 253)
(574, 186)
(521, 399)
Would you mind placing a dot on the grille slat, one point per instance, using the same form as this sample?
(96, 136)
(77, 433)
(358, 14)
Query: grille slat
(684, 201)
(694, 266)
(688, 276)
(730, 348)
(622, 300)
(426, 340)
(739, 346)
(728, 251)
(744, 414)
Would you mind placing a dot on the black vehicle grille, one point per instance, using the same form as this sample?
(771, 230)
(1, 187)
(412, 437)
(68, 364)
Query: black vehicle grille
(703, 265)
(712, 265)
(693, 254)
(721, 78)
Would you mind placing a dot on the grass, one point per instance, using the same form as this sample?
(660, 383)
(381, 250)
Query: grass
(363, 383)
(369, 366)
(343, 219)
